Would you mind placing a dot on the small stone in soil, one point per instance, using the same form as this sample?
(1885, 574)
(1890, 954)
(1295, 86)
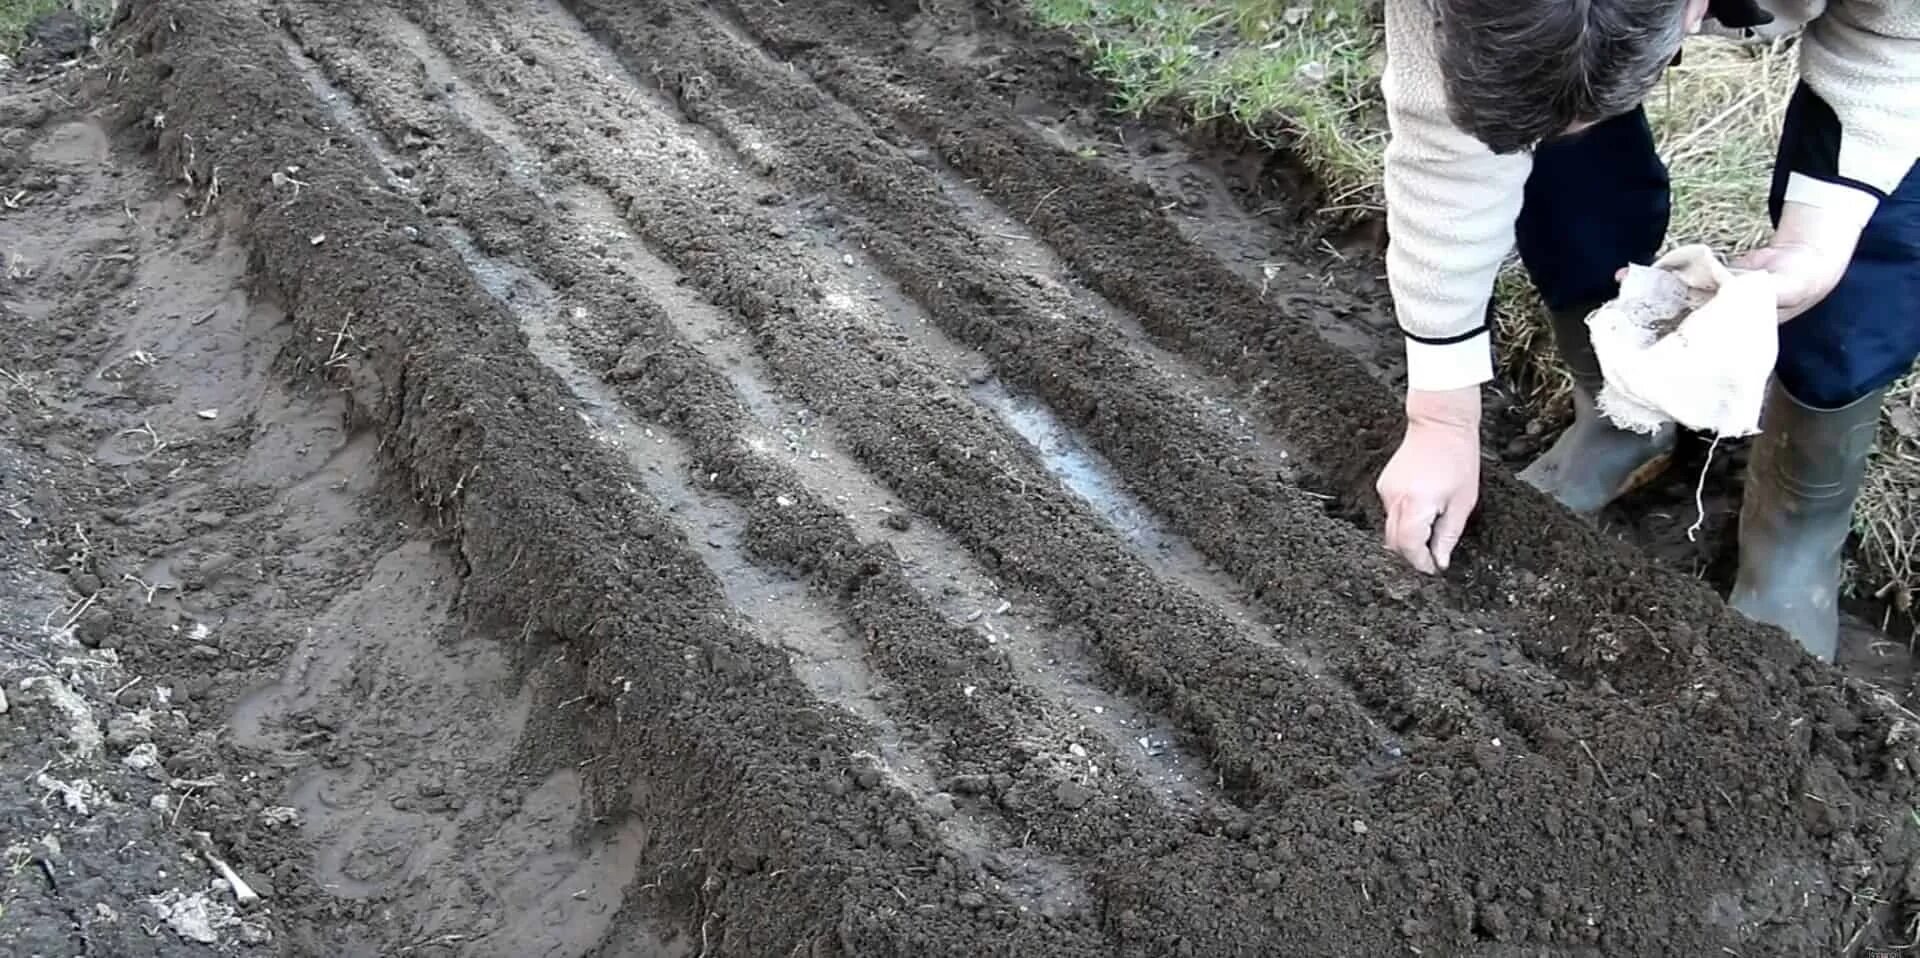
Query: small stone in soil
(93, 632)
(1073, 796)
(940, 805)
(969, 785)
(1492, 920)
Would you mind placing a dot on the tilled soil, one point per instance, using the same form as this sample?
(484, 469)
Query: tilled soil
(678, 478)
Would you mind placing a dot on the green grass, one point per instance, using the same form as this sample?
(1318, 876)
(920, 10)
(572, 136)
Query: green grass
(1298, 75)
(1304, 75)
(15, 16)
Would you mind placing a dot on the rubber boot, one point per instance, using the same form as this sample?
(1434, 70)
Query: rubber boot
(1796, 510)
(1594, 462)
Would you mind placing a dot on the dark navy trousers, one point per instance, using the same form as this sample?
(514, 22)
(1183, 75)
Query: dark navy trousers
(1600, 199)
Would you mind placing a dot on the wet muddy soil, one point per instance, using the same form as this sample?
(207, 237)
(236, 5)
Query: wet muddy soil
(516, 477)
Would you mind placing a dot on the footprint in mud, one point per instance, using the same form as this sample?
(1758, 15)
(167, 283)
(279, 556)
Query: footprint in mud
(428, 812)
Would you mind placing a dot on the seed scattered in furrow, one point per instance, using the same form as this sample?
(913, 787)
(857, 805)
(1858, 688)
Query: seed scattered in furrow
(1320, 398)
(1162, 421)
(1436, 675)
(1616, 742)
(1590, 611)
(899, 420)
(1409, 701)
(1584, 649)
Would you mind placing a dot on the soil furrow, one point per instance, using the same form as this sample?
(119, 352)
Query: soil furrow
(1239, 198)
(900, 420)
(872, 76)
(1317, 396)
(744, 779)
(728, 274)
(1622, 746)
(1097, 821)
(1243, 201)
(1146, 410)
(1526, 797)
(744, 433)
(1583, 730)
(827, 658)
(1141, 393)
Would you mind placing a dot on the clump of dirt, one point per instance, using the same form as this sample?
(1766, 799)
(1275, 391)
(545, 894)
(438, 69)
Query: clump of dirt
(502, 477)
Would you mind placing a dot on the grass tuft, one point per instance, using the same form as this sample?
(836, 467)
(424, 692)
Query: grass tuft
(17, 15)
(1304, 75)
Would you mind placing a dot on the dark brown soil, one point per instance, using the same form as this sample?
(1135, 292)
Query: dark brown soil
(1242, 199)
(685, 479)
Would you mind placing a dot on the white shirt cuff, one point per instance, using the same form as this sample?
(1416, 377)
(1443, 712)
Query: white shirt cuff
(1433, 367)
(1849, 203)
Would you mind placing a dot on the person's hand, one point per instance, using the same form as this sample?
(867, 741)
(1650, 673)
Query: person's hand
(1808, 253)
(1802, 274)
(1432, 483)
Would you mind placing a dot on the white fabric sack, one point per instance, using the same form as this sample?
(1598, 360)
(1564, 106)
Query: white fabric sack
(1688, 340)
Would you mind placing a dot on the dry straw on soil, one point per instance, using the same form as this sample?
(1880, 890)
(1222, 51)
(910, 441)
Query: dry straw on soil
(1303, 75)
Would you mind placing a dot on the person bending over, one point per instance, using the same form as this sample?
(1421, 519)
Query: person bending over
(1520, 123)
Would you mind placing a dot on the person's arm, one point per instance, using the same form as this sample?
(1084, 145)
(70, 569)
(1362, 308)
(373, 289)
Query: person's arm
(1451, 207)
(1863, 59)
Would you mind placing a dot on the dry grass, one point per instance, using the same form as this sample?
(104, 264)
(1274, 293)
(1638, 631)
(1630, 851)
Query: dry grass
(1304, 74)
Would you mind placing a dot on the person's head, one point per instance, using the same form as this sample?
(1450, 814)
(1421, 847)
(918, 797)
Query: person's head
(1522, 71)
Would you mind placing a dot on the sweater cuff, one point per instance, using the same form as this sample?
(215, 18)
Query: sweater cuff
(1454, 363)
(1870, 166)
(1853, 202)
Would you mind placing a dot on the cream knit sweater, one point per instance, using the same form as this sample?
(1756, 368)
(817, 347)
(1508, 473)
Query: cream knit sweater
(1452, 203)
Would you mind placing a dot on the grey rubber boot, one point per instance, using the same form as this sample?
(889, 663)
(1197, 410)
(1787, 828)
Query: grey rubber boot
(1594, 462)
(1796, 511)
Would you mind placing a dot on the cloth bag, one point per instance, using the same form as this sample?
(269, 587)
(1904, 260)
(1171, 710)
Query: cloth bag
(1688, 340)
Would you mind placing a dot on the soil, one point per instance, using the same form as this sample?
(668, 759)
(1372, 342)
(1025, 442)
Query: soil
(1241, 197)
(506, 477)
